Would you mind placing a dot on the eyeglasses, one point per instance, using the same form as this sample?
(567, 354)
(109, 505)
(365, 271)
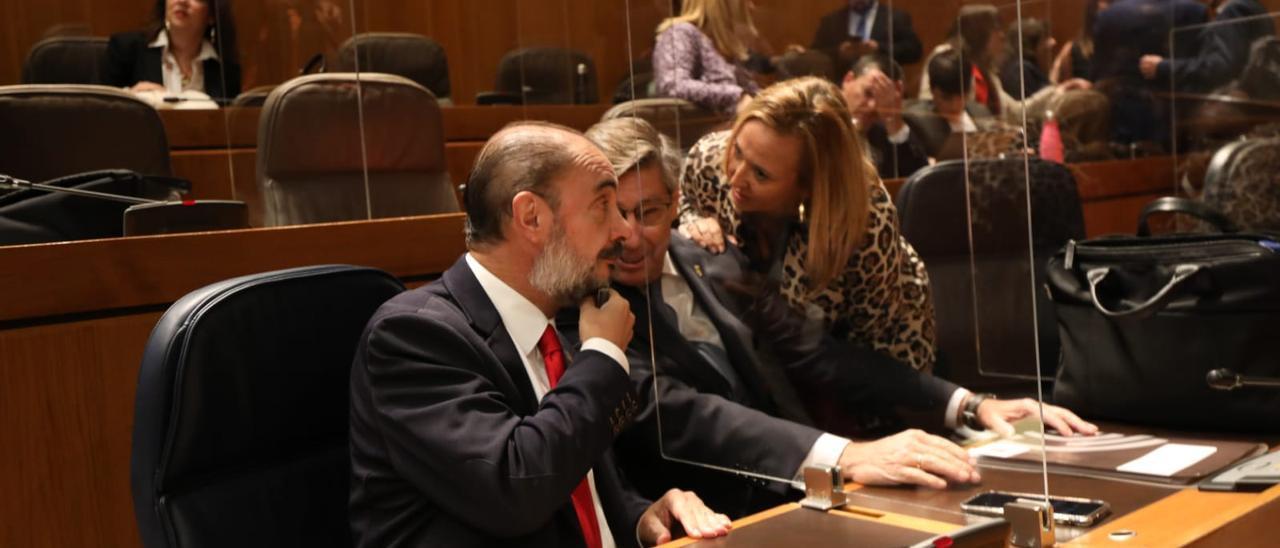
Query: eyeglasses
(649, 214)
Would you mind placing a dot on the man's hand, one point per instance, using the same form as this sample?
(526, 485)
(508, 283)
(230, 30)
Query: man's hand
(705, 231)
(908, 457)
(612, 322)
(997, 414)
(888, 97)
(1148, 64)
(697, 520)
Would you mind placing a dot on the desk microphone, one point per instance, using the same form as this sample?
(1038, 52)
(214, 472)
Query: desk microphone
(1226, 379)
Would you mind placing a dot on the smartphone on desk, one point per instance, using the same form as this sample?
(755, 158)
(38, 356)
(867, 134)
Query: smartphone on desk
(1066, 510)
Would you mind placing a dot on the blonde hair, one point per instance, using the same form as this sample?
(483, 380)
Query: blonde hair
(727, 22)
(833, 168)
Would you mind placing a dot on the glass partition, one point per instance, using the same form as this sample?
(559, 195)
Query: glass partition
(1224, 102)
(802, 321)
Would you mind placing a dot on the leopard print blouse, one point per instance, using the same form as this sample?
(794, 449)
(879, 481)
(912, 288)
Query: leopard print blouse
(882, 297)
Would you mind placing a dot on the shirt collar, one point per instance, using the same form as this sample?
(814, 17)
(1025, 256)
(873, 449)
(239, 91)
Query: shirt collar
(525, 323)
(669, 266)
(207, 51)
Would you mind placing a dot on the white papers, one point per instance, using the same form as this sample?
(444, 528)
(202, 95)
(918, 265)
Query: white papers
(1168, 459)
(1002, 449)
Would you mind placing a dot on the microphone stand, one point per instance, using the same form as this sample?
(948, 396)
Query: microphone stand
(13, 183)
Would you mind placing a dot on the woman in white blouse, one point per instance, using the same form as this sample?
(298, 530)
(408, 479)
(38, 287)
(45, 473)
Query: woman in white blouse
(190, 46)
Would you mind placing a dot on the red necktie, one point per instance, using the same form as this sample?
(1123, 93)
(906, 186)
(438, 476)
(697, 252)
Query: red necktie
(553, 357)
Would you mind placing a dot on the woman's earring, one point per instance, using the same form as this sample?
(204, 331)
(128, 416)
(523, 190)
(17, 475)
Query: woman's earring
(801, 212)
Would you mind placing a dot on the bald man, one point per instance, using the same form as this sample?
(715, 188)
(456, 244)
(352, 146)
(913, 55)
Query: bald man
(472, 422)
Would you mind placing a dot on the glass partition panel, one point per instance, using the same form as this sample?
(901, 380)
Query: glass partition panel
(792, 318)
(1224, 86)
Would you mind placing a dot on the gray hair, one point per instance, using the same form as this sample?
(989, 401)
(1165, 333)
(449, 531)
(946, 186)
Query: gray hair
(523, 156)
(633, 143)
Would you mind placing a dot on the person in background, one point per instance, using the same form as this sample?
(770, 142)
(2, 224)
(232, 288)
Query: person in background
(1224, 48)
(873, 91)
(189, 46)
(980, 37)
(1075, 60)
(1027, 66)
(699, 55)
(949, 112)
(862, 27)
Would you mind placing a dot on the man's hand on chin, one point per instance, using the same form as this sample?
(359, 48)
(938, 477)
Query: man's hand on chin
(686, 508)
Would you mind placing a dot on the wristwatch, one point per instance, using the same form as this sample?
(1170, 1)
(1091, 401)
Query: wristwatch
(969, 415)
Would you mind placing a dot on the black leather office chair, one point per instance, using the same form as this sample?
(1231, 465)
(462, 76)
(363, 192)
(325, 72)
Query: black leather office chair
(412, 56)
(65, 60)
(240, 422)
(547, 75)
(938, 212)
(1240, 192)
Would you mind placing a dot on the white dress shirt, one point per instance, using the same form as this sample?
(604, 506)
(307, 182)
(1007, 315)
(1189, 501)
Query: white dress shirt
(172, 73)
(856, 19)
(525, 324)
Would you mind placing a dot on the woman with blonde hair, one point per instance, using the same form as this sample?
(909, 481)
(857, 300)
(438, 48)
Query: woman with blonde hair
(699, 54)
(791, 186)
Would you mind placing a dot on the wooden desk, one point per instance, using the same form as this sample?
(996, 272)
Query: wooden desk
(1159, 515)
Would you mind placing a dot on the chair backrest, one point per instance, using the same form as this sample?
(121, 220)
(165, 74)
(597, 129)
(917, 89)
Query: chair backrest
(935, 219)
(412, 56)
(65, 60)
(548, 75)
(1242, 183)
(56, 130)
(255, 97)
(311, 167)
(681, 120)
(807, 63)
(240, 421)
(185, 216)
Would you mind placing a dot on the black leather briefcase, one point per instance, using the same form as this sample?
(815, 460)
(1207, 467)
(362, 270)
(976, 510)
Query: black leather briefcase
(1144, 320)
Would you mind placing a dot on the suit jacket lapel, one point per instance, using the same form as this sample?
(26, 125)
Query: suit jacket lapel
(737, 337)
(475, 303)
(670, 344)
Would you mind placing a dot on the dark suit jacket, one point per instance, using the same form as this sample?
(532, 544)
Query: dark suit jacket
(449, 445)
(934, 130)
(897, 160)
(1224, 48)
(704, 419)
(833, 30)
(130, 61)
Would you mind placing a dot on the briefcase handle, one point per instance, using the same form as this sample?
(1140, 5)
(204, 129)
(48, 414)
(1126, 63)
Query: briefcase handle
(1180, 274)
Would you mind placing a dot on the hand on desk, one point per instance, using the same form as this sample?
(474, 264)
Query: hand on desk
(997, 414)
(698, 520)
(908, 457)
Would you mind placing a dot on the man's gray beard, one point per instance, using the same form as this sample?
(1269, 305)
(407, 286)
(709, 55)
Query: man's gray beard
(559, 273)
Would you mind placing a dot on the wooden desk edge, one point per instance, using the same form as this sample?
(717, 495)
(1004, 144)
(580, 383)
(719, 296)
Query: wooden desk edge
(1179, 519)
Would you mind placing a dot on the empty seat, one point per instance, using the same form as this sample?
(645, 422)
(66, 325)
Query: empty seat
(56, 130)
(412, 56)
(969, 224)
(311, 166)
(548, 75)
(65, 60)
(681, 120)
(240, 418)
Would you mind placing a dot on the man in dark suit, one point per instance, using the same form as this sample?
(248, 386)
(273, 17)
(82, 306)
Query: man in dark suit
(941, 121)
(1223, 48)
(863, 27)
(467, 428)
(713, 399)
(873, 91)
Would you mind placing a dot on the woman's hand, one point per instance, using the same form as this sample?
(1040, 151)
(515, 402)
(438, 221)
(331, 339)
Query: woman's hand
(144, 86)
(705, 231)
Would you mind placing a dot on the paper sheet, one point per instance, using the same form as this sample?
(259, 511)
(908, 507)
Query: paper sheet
(1002, 449)
(1168, 459)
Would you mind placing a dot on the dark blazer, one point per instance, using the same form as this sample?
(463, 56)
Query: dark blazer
(449, 445)
(894, 161)
(833, 30)
(1224, 48)
(130, 61)
(935, 131)
(742, 422)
